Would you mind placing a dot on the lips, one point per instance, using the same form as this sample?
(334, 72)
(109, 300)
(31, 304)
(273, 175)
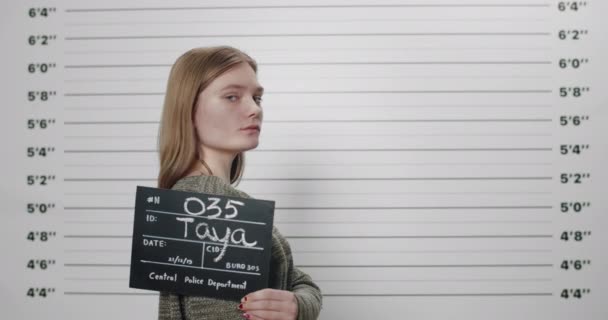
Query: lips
(252, 127)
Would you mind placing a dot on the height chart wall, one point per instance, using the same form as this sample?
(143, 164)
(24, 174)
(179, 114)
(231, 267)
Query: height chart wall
(428, 159)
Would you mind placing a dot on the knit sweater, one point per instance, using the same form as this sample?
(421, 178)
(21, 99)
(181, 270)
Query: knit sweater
(283, 274)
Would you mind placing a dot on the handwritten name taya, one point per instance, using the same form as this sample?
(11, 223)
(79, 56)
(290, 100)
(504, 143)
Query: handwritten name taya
(204, 231)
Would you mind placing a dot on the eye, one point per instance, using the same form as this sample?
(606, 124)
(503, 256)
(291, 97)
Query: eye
(258, 99)
(231, 96)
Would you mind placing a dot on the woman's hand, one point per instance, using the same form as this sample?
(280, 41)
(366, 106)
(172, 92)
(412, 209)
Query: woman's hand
(270, 304)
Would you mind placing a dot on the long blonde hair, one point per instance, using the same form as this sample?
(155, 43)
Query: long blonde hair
(191, 73)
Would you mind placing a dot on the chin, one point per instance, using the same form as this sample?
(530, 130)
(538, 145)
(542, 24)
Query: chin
(251, 145)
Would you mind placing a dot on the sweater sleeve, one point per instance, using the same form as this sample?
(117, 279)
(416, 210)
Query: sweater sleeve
(307, 293)
(169, 307)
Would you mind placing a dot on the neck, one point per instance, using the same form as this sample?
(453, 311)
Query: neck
(218, 161)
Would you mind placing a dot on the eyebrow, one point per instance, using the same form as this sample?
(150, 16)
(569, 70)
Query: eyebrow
(238, 86)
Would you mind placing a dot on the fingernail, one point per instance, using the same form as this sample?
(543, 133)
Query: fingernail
(246, 315)
(241, 306)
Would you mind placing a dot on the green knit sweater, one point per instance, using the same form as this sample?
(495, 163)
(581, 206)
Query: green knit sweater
(283, 274)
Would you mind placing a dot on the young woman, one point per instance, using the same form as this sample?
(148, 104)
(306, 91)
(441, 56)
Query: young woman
(212, 114)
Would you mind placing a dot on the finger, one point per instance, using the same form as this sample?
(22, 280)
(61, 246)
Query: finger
(267, 294)
(251, 316)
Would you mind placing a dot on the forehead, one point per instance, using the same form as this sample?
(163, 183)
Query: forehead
(239, 77)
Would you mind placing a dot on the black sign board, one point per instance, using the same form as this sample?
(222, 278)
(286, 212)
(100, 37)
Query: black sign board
(200, 244)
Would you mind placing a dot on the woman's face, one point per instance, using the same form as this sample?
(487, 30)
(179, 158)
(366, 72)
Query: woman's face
(229, 104)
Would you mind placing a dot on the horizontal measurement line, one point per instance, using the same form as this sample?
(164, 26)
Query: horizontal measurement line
(89, 94)
(423, 280)
(548, 265)
(366, 280)
(349, 208)
(403, 62)
(164, 65)
(425, 237)
(329, 179)
(333, 193)
(410, 76)
(96, 264)
(439, 294)
(327, 150)
(426, 251)
(336, 135)
(332, 20)
(97, 250)
(278, 35)
(336, 193)
(97, 236)
(326, 48)
(379, 164)
(369, 135)
(110, 293)
(357, 193)
(479, 5)
(332, 121)
(342, 106)
(542, 265)
(96, 279)
(344, 222)
(360, 251)
(400, 178)
(343, 295)
(76, 236)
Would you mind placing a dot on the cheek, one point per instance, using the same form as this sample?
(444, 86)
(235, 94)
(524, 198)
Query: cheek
(206, 127)
(213, 127)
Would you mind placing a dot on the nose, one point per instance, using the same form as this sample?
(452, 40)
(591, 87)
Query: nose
(255, 110)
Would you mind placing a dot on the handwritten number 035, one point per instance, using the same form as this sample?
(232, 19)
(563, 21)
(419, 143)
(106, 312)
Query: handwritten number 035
(212, 206)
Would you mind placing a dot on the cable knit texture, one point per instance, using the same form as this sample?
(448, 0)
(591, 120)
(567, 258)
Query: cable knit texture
(283, 274)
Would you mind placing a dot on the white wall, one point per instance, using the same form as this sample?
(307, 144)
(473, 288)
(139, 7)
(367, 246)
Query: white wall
(435, 126)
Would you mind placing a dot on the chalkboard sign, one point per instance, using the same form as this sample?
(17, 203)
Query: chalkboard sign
(200, 244)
